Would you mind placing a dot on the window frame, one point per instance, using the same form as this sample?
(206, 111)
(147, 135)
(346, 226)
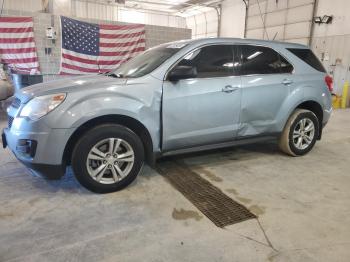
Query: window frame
(239, 50)
(233, 48)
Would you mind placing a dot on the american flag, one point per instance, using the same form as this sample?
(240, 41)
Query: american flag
(98, 48)
(17, 46)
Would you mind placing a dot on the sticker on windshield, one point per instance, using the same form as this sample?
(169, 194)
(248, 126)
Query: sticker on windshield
(176, 45)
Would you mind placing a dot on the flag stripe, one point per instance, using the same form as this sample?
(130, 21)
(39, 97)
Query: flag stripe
(120, 49)
(20, 60)
(17, 46)
(117, 32)
(17, 35)
(81, 69)
(92, 62)
(125, 44)
(122, 44)
(113, 36)
(121, 27)
(18, 50)
(135, 50)
(120, 40)
(16, 25)
(23, 55)
(16, 29)
(26, 66)
(15, 19)
(16, 40)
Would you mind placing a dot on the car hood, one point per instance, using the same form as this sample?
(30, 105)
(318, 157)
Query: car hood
(67, 85)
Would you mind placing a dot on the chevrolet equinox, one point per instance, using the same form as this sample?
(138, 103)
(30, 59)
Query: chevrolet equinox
(174, 98)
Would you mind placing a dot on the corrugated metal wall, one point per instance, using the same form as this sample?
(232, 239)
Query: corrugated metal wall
(204, 21)
(232, 18)
(330, 42)
(23, 5)
(115, 13)
(203, 24)
(100, 11)
(287, 20)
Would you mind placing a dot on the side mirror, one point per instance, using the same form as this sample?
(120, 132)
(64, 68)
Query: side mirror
(182, 72)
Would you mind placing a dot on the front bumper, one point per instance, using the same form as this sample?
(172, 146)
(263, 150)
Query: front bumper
(37, 146)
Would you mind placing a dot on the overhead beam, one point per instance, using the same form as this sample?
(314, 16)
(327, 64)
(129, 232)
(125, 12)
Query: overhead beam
(181, 5)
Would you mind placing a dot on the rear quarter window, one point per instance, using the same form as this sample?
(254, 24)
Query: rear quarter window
(308, 57)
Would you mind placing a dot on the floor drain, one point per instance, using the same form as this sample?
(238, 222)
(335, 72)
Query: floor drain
(210, 200)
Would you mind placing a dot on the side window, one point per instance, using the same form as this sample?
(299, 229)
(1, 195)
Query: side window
(308, 57)
(211, 61)
(262, 60)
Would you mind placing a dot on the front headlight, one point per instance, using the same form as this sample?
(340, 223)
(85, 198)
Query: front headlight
(41, 105)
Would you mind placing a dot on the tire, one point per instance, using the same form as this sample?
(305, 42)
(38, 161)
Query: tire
(103, 166)
(289, 143)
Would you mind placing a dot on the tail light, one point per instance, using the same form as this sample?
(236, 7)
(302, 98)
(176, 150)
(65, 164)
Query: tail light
(329, 81)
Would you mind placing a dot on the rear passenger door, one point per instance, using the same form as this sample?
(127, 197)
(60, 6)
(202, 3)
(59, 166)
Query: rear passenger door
(266, 79)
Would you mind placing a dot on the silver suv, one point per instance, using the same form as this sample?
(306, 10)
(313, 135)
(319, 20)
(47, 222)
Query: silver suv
(174, 98)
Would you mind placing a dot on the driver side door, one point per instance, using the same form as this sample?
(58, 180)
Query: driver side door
(203, 109)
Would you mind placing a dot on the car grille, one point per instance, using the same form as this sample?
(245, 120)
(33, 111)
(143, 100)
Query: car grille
(10, 121)
(16, 103)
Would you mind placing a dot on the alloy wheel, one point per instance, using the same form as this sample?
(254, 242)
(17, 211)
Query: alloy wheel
(303, 133)
(110, 160)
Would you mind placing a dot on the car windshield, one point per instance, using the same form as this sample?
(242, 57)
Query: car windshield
(148, 61)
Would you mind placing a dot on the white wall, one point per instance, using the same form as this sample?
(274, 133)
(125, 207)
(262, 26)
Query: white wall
(204, 23)
(331, 42)
(62, 7)
(84, 9)
(232, 18)
(100, 11)
(23, 5)
(340, 9)
(287, 20)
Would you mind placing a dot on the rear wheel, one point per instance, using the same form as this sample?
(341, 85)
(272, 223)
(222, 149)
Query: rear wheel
(107, 158)
(300, 133)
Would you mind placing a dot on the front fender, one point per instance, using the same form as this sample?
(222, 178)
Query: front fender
(79, 109)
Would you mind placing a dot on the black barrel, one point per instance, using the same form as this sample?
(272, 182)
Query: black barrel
(20, 81)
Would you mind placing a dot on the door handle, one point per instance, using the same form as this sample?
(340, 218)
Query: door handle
(287, 82)
(229, 89)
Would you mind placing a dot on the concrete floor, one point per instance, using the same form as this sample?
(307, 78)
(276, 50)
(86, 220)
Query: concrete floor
(303, 206)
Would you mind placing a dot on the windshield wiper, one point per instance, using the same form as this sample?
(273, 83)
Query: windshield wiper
(115, 75)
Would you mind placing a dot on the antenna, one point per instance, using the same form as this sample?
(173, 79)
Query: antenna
(275, 36)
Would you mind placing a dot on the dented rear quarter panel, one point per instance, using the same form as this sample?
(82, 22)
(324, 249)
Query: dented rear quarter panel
(267, 104)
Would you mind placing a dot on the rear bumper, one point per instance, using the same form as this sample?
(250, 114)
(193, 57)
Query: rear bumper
(326, 116)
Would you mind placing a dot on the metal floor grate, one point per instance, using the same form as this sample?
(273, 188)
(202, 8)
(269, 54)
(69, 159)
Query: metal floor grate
(210, 200)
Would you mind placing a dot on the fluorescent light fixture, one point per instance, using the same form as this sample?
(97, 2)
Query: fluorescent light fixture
(326, 19)
(230, 64)
(254, 55)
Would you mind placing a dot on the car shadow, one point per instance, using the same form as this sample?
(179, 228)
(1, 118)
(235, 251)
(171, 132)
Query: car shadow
(69, 184)
(234, 153)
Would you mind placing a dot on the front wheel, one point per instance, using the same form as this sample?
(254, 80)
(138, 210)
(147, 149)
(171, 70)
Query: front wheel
(107, 158)
(300, 133)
